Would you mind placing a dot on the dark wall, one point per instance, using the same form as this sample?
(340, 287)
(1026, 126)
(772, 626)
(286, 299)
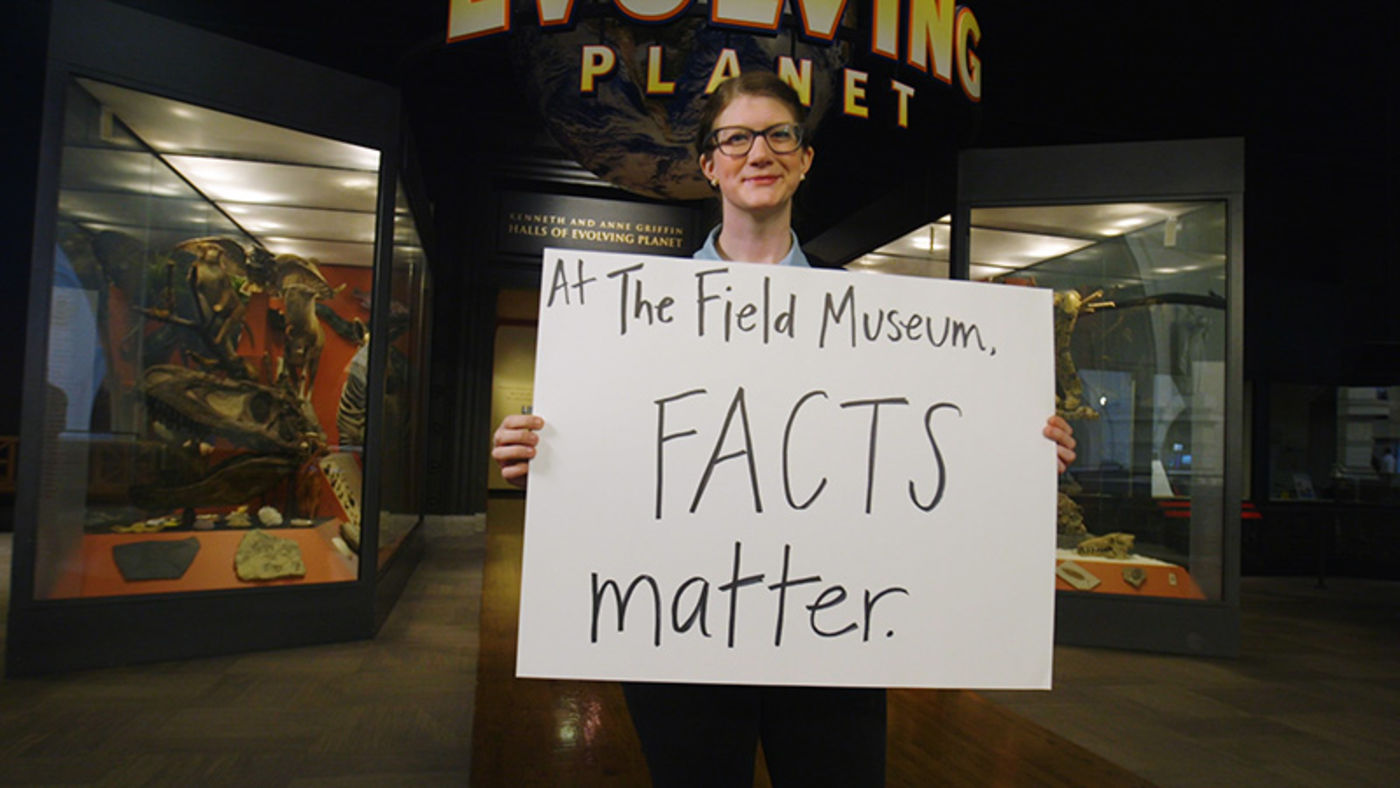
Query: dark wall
(22, 71)
(1323, 135)
(1316, 98)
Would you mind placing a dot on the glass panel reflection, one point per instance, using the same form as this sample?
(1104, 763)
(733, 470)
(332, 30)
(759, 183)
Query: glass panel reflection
(1334, 443)
(404, 381)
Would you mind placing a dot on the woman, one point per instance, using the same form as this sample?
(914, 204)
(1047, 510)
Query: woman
(754, 152)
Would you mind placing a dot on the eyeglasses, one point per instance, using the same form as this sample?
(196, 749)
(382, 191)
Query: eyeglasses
(737, 140)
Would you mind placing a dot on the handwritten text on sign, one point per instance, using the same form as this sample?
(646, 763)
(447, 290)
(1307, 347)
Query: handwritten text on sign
(761, 474)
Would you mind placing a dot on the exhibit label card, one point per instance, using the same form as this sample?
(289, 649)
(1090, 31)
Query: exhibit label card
(761, 474)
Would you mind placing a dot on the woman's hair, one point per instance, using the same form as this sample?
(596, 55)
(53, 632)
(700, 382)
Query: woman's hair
(749, 83)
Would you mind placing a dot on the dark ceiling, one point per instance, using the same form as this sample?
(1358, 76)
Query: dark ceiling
(1312, 90)
(1056, 73)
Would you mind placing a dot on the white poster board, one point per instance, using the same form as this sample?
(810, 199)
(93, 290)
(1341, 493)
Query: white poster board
(788, 476)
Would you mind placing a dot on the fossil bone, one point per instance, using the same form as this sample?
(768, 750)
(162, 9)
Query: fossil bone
(1069, 389)
(304, 337)
(290, 269)
(213, 263)
(236, 480)
(247, 413)
(1114, 545)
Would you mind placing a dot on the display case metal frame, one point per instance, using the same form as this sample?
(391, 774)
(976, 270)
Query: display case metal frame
(137, 50)
(1130, 172)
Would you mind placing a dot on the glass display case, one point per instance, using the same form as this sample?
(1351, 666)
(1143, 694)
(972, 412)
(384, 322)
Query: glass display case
(1142, 245)
(209, 313)
(225, 266)
(1140, 360)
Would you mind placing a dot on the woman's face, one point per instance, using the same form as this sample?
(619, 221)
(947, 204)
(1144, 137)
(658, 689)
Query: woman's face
(760, 181)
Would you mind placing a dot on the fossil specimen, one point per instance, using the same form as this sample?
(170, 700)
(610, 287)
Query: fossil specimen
(346, 480)
(231, 482)
(1114, 545)
(303, 337)
(246, 413)
(1069, 517)
(350, 532)
(292, 270)
(213, 264)
(262, 556)
(1069, 389)
(1077, 576)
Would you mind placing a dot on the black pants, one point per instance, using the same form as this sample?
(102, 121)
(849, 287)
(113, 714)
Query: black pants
(705, 735)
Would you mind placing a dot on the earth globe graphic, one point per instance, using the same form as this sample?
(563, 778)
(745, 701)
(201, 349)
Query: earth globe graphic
(646, 144)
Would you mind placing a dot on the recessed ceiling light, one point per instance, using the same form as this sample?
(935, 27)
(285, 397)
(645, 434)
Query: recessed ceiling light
(243, 194)
(365, 158)
(358, 182)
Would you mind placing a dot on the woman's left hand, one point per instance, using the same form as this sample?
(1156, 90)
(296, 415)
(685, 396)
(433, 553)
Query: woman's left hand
(1059, 431)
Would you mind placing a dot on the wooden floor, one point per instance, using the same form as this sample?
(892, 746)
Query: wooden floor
(395, 711)
(533, 732)
(1314, 700)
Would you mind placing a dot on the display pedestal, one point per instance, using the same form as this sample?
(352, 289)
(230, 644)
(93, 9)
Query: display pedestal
(1161, 578)
(212, 567)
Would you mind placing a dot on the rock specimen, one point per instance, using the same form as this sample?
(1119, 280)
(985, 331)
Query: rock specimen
(1134, 576)
(157, 560)
(262, 556)
(269, 516)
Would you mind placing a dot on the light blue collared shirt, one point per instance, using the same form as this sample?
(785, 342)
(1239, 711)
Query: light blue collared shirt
(795, 257)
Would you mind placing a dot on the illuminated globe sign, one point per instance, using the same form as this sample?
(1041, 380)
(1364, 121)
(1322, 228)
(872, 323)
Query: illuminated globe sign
(619, 83)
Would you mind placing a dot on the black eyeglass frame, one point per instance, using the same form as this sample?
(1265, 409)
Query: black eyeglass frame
(713, 141)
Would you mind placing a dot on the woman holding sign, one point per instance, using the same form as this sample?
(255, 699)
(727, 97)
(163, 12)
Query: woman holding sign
(753, 150)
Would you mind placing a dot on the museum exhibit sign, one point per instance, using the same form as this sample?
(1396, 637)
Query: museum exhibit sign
(619, 84)
(226, 341)
(762, 474)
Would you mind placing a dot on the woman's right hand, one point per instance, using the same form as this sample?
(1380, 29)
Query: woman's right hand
(514, 445)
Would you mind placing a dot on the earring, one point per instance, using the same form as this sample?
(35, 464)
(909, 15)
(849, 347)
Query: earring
(802, 177)
(714, 184)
